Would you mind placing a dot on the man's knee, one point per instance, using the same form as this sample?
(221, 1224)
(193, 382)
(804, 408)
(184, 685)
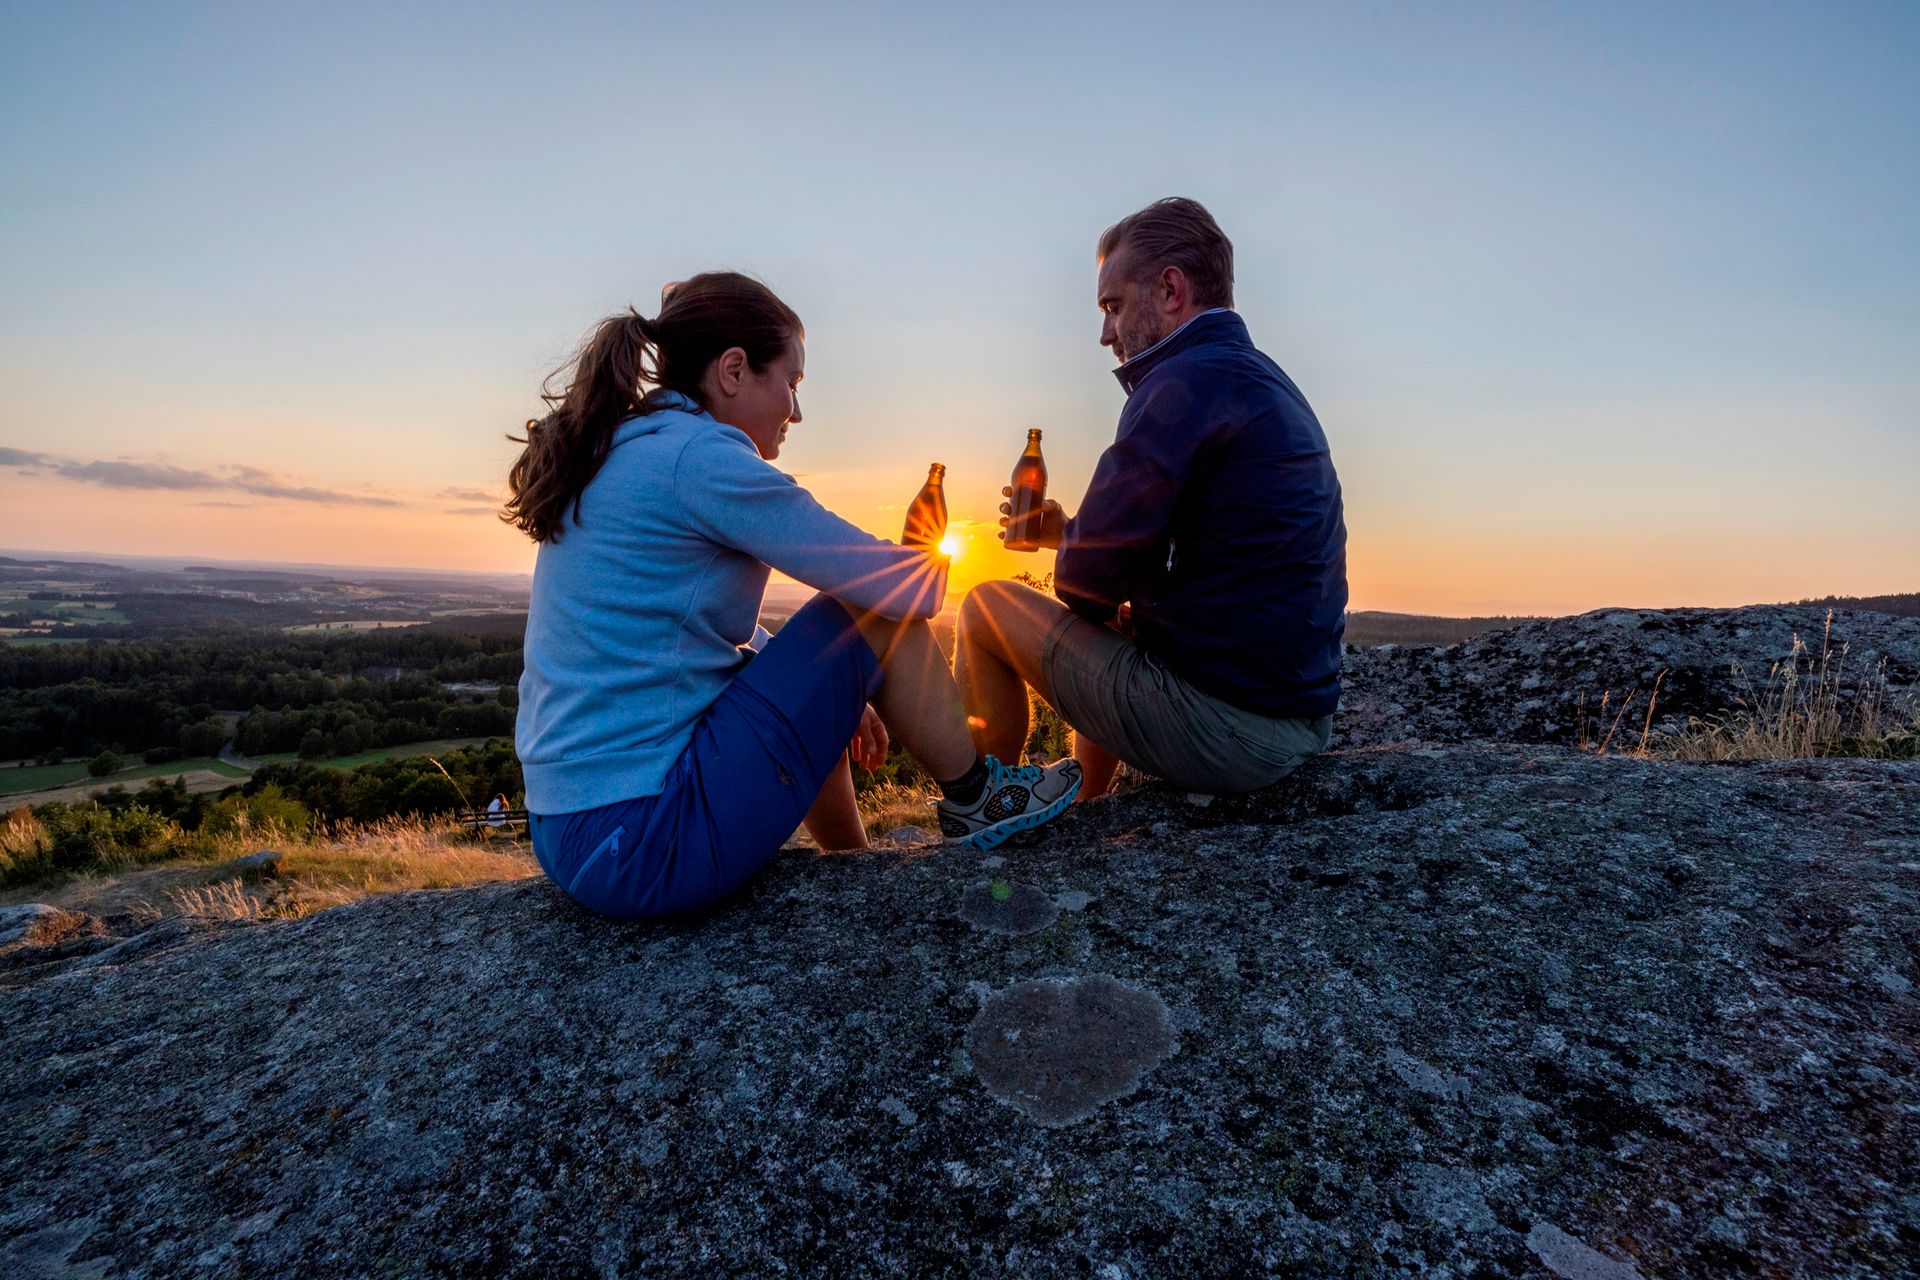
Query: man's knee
(1003, 608)
(981, 611)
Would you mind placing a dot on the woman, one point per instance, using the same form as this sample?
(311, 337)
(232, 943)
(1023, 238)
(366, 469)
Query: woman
(669, 745)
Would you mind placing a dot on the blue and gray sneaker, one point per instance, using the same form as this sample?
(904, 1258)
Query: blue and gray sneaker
(1016, 798)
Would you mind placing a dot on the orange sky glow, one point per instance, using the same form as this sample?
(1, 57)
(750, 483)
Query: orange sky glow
(1391, 566)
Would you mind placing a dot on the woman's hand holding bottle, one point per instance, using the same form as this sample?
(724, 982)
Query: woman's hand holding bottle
(927, 513)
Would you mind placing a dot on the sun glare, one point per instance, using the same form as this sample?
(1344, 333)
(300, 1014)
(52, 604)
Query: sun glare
(950, 547)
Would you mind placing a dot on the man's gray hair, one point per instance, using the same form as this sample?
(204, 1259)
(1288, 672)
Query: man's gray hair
(1177, 232)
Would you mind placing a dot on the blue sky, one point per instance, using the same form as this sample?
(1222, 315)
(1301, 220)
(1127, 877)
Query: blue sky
(1598, 304)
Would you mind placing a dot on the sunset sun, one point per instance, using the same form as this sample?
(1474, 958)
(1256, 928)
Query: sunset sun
(950, 547)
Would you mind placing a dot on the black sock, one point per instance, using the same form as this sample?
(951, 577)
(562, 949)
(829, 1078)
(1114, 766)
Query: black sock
(966, 788)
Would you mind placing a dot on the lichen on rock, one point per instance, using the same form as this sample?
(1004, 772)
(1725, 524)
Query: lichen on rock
(1002, 906)
(1057, 1050)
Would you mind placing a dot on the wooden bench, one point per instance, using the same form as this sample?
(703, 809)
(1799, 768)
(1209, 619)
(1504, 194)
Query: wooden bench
(482, 820)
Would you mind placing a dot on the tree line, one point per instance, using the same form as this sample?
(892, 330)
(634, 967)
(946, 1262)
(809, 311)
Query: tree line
(297, 796)
(319, 694)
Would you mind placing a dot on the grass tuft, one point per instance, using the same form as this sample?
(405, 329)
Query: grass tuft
(1803, 711)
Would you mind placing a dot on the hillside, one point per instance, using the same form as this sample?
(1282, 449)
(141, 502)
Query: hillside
(1442, 1003)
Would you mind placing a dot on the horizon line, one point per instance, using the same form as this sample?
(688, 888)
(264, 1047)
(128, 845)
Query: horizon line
(137, 559)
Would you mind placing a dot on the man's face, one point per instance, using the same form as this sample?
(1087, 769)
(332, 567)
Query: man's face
(1130, 323)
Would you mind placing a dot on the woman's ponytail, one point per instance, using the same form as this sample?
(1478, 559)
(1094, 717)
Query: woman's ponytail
(699, 319)
(565, 449)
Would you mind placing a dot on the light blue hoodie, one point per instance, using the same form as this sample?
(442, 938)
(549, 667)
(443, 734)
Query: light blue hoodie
(642, 607)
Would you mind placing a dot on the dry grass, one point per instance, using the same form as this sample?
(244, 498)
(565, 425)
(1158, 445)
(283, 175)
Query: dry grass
(1801, 713)
(885, 807)
(317, 872)
(891, 805)
(22, 837)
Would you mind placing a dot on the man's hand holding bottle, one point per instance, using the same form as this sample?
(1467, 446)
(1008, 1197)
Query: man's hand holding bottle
(1047, 526)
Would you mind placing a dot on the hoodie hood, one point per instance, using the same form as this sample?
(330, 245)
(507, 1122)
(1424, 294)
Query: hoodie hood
(659, 408)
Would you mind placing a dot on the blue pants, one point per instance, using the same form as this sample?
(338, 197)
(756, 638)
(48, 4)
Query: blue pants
(755, 766)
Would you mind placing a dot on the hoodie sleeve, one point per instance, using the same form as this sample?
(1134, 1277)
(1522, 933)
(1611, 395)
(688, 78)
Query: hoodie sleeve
(1119, 534)
(736, 498)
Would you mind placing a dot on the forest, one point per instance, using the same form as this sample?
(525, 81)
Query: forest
(318, 694)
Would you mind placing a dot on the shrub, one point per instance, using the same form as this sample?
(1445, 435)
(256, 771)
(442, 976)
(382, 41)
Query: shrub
(60, 839)
(105, 763)
(160, 755)
(265, 810)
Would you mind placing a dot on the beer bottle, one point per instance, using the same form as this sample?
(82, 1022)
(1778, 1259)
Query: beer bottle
(1029, 492)
(927, 513)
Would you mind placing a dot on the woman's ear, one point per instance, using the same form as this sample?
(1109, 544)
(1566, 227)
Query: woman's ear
(729, 369)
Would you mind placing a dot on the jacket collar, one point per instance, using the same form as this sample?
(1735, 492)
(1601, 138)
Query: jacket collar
(661, 398)
(1216, 325)
(656, 411)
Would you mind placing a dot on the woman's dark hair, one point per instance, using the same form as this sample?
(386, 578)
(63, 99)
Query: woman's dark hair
(699, 320)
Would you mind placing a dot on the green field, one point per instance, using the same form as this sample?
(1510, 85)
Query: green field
(85, 611)
(45, 777)
(401, 752)
(40, 777)
(387, 624)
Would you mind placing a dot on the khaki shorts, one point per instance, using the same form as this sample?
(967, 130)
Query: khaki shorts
(1123, 698)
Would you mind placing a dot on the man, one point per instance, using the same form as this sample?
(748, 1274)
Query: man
(1202, 586)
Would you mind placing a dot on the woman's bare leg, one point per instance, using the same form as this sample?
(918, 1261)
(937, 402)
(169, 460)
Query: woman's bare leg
(834, 821)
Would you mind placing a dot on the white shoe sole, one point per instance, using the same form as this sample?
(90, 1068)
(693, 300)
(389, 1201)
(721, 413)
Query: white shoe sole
(1000, 832)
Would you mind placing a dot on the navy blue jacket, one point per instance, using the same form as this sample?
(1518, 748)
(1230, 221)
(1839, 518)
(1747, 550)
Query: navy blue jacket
(1217, 512)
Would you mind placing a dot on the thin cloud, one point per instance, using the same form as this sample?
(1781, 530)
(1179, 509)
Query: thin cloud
(467, 495)
(471, 511)
(139, 475)
(266, 485)
(164, 477)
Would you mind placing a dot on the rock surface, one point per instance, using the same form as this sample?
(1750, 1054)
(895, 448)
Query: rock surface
(1526, 684)
(263, 862)
(30, 929)
(1427, 1011)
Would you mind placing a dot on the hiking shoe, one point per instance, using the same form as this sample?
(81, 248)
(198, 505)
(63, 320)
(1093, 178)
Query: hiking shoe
(1016, 798)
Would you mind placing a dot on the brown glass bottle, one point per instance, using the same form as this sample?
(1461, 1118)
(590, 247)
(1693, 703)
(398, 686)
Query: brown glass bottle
(1029, 493)
(927, 513)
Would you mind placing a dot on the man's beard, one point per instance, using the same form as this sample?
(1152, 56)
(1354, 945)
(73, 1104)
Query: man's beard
(1133, 343)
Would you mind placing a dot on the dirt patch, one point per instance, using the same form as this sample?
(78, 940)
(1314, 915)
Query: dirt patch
(198, 781)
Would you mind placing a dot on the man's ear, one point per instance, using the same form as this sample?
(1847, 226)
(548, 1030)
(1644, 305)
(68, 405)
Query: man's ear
(729, 368)
(1170, 291)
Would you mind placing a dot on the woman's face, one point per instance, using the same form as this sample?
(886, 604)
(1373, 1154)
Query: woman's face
(761, 402)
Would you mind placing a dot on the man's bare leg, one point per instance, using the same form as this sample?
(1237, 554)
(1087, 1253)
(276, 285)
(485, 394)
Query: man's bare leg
(834, 821)
(1097, 766)
(1003, 626)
